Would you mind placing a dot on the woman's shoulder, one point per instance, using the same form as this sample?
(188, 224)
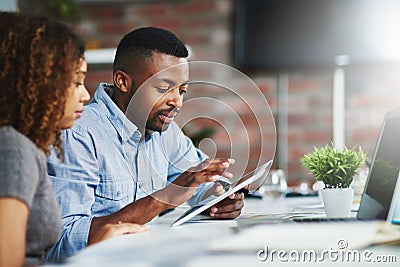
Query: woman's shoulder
(11, 139)
(22, 165)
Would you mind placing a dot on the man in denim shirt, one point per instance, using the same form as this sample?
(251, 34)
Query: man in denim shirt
(126, 160)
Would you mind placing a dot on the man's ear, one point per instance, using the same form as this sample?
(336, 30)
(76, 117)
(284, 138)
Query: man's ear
(122, 81)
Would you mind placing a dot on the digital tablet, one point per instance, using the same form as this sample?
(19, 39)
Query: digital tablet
(248, 179)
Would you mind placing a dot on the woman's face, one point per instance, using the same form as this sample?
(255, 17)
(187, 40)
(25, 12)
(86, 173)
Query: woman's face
(77, 96)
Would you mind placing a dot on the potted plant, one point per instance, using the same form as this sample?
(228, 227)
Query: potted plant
(336, 168)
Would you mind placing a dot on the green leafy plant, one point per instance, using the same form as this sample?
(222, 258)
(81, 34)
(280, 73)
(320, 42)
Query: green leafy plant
(335, 167)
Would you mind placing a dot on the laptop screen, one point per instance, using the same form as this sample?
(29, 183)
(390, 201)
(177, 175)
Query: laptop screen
(384, 170)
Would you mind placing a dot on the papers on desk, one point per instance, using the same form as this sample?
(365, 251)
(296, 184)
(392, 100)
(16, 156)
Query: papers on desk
(317, 236)
(274, 218)
(320, 206)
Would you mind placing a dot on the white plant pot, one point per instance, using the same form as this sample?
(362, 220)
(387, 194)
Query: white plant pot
(337, 202)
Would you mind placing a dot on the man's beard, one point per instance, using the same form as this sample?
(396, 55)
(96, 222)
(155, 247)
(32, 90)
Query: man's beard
(156, 125)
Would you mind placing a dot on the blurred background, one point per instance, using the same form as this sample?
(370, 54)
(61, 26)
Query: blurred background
(289, 48)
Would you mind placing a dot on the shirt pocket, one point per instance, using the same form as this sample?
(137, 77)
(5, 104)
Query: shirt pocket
(115, 189)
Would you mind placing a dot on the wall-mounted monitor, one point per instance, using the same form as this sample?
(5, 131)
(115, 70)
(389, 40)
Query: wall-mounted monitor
(287, 34)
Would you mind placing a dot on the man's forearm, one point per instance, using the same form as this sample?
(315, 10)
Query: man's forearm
(140, 212)
(145, 209)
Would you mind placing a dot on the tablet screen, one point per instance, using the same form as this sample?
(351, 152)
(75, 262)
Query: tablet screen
(252, 177)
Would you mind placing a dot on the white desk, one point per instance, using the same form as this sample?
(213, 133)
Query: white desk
(185, 245)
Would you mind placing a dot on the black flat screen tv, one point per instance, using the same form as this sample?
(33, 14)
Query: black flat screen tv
(287, 34)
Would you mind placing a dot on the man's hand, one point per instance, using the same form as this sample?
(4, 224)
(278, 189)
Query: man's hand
(186, 184)
(218, 189)
(110, 230)
(229, 208)
(207, 171)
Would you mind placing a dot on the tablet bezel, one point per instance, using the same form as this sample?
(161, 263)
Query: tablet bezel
(253, 176)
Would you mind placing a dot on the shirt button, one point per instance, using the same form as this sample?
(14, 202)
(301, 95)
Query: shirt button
(118, 193)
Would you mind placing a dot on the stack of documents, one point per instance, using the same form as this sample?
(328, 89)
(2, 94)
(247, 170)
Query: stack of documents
(317, 236)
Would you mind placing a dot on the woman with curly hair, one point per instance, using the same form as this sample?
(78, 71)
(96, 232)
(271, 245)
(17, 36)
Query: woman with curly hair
(42, 72)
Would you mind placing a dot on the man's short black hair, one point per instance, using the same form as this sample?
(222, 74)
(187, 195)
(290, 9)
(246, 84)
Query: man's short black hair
(140, 44)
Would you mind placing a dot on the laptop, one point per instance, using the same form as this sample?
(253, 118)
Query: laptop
(382, 189)
(249, 180)
(380, 196)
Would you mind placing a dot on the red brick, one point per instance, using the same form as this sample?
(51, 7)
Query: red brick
(364, 134)
(296, 154)
(200, 23)
(105, 11)
(94, 77)
(196, 7)
(107, 28)
(154, 10)
(293, 137)
(317, 137)
(111, 42)
(303, 85)
(266, 87)
(196, 39)
(173, 25)
(300, 119)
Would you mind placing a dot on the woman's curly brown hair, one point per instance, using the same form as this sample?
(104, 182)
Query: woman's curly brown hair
(38, 59)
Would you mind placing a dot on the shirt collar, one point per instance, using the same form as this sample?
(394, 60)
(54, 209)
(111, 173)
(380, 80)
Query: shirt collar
(125, 128)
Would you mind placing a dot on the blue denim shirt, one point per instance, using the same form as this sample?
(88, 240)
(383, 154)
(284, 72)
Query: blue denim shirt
(106, 167)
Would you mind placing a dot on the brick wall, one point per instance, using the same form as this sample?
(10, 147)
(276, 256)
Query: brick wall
(207, 26)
